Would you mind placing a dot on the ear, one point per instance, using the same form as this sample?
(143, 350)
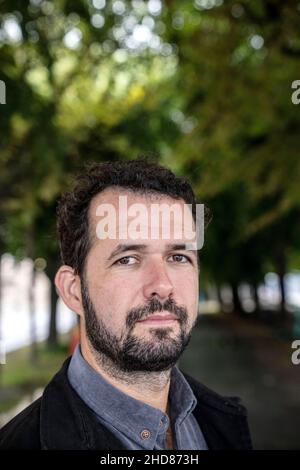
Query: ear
(69, 288)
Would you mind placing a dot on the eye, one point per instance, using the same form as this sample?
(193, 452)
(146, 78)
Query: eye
(181, 259)
(126, 261)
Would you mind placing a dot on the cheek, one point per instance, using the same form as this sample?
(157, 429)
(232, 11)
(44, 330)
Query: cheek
(112, 301)
(120, 293)
(187, 293)
(187, 285)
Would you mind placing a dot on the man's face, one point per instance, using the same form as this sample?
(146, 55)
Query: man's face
(140, 297)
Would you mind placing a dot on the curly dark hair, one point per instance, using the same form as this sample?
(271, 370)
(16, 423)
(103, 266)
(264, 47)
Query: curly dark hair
(139, 175)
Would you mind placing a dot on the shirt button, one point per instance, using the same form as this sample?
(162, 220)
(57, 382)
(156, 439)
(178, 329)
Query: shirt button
(145, 434)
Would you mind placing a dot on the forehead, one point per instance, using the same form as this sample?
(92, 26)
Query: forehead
(112, 196)
(126, 209)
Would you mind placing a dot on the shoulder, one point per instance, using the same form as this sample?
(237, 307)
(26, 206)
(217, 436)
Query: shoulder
(23, 431)
(223, 420)
(229, 404)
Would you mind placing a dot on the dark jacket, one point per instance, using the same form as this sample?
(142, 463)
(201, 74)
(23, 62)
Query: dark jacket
(61, 420)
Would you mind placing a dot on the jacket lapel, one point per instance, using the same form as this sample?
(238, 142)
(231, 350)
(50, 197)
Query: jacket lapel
(223, 420)
(66, 422)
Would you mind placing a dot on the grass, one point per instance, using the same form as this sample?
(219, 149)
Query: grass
(20, 375)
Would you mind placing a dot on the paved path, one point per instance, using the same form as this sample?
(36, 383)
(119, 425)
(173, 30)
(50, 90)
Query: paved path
(241, 357)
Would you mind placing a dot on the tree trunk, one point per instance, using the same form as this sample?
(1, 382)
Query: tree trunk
(219, 297)
(32, 313)
(52, 335)
(256, 297)
(31, 253)
(280, 259)
(2, 350)
(237, 306)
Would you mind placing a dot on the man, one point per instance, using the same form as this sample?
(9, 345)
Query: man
(137, 298)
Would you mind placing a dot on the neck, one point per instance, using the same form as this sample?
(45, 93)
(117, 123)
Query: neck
(151, 388)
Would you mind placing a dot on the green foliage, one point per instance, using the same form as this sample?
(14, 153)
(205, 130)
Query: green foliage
(237, 62)
(213, 102)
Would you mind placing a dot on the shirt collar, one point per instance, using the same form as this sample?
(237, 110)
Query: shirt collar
(126, 414)
(181, 397)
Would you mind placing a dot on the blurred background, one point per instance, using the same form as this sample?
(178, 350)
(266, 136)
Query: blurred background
(205, 87)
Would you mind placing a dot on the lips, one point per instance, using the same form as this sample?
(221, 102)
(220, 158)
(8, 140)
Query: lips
(159, 318)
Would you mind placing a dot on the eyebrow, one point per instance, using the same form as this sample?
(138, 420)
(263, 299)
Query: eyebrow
(123, 247)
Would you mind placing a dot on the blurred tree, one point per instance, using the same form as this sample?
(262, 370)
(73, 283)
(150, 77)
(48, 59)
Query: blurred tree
(205, 86)
(236, 65)
(76, 92)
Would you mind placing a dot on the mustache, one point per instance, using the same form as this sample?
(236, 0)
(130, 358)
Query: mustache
(154, 305)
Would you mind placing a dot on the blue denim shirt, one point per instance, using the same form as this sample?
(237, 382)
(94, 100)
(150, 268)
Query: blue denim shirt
(136, 424)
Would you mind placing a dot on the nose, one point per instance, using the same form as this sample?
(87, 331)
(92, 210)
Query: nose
(157, 281)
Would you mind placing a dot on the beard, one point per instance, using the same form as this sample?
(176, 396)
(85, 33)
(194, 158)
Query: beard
(130, 353)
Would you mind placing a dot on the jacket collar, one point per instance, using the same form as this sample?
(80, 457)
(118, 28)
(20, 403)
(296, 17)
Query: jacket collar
(124, 412)
(223, 420)
(68, 423)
